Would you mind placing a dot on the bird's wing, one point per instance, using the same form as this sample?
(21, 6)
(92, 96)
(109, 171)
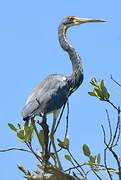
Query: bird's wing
(47, 96)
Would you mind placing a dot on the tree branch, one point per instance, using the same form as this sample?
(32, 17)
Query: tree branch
(18, 149)
(115, 81)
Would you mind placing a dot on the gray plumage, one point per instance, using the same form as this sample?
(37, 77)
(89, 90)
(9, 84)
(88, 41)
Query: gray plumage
(50, 94)
(47, 96)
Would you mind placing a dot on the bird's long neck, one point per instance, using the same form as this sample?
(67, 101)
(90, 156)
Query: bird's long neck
(74, 56)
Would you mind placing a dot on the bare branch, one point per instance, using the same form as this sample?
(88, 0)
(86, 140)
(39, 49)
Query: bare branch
(105, 162)
(107, 147)
(77, 164)
(103, 175)
(116, 130)
(26, 172)
(104, 135)
(107, 100)
(71, 168)
(109, 127)
(96, 174)
(110, 145)
(115, 81)
(18, 149)
(36, 155)
(118, 162)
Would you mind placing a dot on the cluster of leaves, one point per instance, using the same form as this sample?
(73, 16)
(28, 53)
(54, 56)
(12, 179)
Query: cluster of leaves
(100, 91)
(65, 145)
(24, 134)
(92, 159)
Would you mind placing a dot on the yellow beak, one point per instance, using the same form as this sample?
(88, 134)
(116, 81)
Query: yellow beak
(84, 20)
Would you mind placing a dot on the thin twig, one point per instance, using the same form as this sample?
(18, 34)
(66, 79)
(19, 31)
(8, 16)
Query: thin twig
(25, 150)
(67, 119)
(118, 162)
(103, 175)
(107, 147)
(112, 145)
(110, 129)
(87, 164)
(116, 130)
(90, 170)
(26, 172)
(107, 100)
(105, 162)
(96, 174)
(77, 163)
(115, 81)
(18, 149)
(118, 127)
(75, 167)
(71, 168)
(30, 147)
(104, 134)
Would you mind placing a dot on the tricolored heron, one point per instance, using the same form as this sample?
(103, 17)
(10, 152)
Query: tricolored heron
(51, 93)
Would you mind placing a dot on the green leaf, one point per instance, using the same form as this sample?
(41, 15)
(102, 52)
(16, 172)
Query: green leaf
(112, 169)
(61, 144)
(93, 82)
(102, 85)
(67, 157)
(106, 94)
(99, 94)
(28, 132)
(98, 158)
(66, 142)
(12, 127)
(95, 158)
(41, 137)
(92, 159)
(92, 93)
(20, 135)
(86, 150)
(18, 125)
(100, 90)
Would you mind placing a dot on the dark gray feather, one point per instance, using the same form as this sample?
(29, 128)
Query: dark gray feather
(47, 96)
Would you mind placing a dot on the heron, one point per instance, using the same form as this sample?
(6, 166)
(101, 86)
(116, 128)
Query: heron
(53, 92)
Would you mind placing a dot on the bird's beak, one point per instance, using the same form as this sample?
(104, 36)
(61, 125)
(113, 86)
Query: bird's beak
(83, 20)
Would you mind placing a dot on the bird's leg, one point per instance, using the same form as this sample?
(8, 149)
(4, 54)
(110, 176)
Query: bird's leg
(46, 139)
(55, 151)
(55, 115)
(36, 132)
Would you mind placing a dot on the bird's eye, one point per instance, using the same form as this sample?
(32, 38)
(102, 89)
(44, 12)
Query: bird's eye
(72, 18)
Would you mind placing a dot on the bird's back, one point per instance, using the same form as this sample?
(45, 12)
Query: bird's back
(49, 95)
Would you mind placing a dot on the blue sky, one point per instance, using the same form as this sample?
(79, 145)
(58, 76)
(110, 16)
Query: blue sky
(29, 51)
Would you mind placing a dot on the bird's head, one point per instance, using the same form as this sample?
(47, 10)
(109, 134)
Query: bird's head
(69, 21)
